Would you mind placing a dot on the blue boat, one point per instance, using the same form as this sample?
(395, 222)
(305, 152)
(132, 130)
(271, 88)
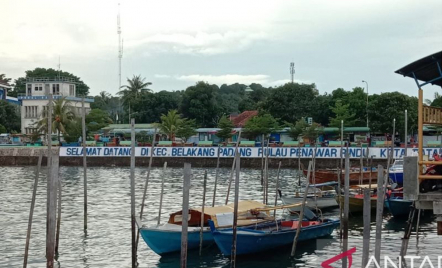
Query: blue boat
(398, 206)
(396, 172)
(166, 238)
(272, 235)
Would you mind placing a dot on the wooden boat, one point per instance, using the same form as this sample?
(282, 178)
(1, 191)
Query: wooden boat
(271, 235)
(317, 197)
(396, 172)
(356, 199)
(166, 238)
(328, 175)
(398, 206)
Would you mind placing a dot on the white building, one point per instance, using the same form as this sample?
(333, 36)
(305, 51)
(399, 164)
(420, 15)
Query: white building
(35, 100)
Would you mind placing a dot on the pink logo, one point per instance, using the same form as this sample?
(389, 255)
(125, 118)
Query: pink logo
(348, 254)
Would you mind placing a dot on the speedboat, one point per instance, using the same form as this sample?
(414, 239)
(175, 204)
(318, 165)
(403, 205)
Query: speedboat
(396, 172)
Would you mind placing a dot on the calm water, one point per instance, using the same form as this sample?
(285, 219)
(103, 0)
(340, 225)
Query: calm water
(108, 239)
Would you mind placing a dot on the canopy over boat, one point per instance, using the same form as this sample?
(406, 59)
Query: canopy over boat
(331, 183)
(224, 212)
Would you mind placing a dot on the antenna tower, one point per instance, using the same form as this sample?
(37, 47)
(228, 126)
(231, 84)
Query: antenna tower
(292, 70)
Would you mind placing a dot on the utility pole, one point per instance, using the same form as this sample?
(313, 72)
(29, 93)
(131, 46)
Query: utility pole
(292, 70)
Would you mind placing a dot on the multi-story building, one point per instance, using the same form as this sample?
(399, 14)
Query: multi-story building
(35, 100)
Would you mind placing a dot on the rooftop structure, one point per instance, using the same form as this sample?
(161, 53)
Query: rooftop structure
(241, 119)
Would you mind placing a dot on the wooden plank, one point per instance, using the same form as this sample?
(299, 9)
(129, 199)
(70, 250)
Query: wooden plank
(51, 211)
(132, 193)
(366, 232)
(233, 167)
(83, 129)
(346, 206)
(301, 213)
(57, 235)
(202, 211)
(216, 176)
(276, 188)
(185, 215)
(161, 193)
(379, 212)
(235, 212)
(31, 211)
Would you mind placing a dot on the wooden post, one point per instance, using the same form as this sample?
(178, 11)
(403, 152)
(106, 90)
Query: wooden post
(185, 214)
(235, 213)
(216, 178)
(339, 190)
(83, 128)
(162, 192)
(379, 213)
(57, 235)
(132, 192)
(277, 186)
(266, 178)
(371, 173)
(51, 210)
(340, 181)
(299, 163)
(406, 133)
(202, 211)
(301, 213)
(346, 206)
(366, 236)
(233, 167)
(147, 180)
(417, 223)
(314, 176)
(407, 232)
(31, 212)
(420, 131)
(262, 160)
(361, 174)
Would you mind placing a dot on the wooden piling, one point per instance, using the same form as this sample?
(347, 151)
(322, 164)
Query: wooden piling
(339, 190)
(147, 181)
(132, 193)
(341, 166)
(346, 206)
(262, 160)
(366, 233)
(202, 211)
(185, 214)
(314, 176)
(233, 167)
(83, 130)
(277, 186)
(301, 213)
(162, 192)
(361, 169)
(407, 232)
(216, 177)
(51, 210)
(57, 235)
(31, 211)
(417, 224)
(406, 133)
(266, 175)
(235, 213)
(299, 163)
(379, 212)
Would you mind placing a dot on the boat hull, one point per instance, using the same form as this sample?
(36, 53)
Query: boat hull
(398, 207)
(397, 177)
(250, 241)
(356, 204)
(323, 176)
(163, 241)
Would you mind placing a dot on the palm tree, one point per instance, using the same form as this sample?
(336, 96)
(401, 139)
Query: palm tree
(62, 116)
(135, 86)
(170, 124)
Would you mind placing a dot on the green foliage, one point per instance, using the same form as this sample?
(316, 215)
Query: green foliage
(170, 123)
(2, 129)
(9, 116)
(342, 112)
(437, 102)
(149, 107)
(4, 79)
(291, 101)
(142, 136)
(186, 129)
(62, 116)
(97, 119)
(199, 103)
(73, 130)
(260, 125)
(357, 105)
(20, 83)
(297, 129)
(311, 132)
(135, 86)
(226, 127)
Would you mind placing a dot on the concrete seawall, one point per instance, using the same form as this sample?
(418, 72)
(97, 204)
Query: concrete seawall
(29, 156)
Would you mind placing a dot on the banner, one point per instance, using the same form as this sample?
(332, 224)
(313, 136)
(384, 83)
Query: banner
(246, 152)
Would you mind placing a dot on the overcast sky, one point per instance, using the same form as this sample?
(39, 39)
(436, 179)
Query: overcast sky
(177, 43)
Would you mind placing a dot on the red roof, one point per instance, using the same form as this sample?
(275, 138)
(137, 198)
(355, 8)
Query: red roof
(241, 119)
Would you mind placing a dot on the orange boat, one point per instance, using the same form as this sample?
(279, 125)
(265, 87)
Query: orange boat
(328, 175)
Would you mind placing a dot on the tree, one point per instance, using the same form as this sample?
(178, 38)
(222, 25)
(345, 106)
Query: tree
(2, 129)
(199, 103)
(291, 101)
(226, 127)
(260, 125)
(20, 83)
(4, 80)
(62, 116)
(297, 129)
(311, 132)
(186, 129)
(149, 107)
(74, 130)
(342, 113)
(134, 87)
(9, 116)
(97, 119)
(170, 123)
(437, 102)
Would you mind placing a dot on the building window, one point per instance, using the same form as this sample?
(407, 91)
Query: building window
(55, 89)
(47, 89)
(29, 93)
(31, 111)
(71, 90)
(38, 87)
(30, 130)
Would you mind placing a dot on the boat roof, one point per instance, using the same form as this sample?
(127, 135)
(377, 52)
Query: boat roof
(330, 183)
(242, 207)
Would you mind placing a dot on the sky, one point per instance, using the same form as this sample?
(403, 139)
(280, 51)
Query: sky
(174, 44)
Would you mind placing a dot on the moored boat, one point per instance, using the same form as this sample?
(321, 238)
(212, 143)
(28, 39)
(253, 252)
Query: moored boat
(166, 238)
(396, 172)
(398, 206)
(356, 199)
(272, 235)
(330, 175)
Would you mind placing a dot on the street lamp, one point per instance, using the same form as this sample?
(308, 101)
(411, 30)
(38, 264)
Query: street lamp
(367, 99)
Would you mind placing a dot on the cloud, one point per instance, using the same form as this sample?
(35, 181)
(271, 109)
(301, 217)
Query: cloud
(225, 79)
(161, 76)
